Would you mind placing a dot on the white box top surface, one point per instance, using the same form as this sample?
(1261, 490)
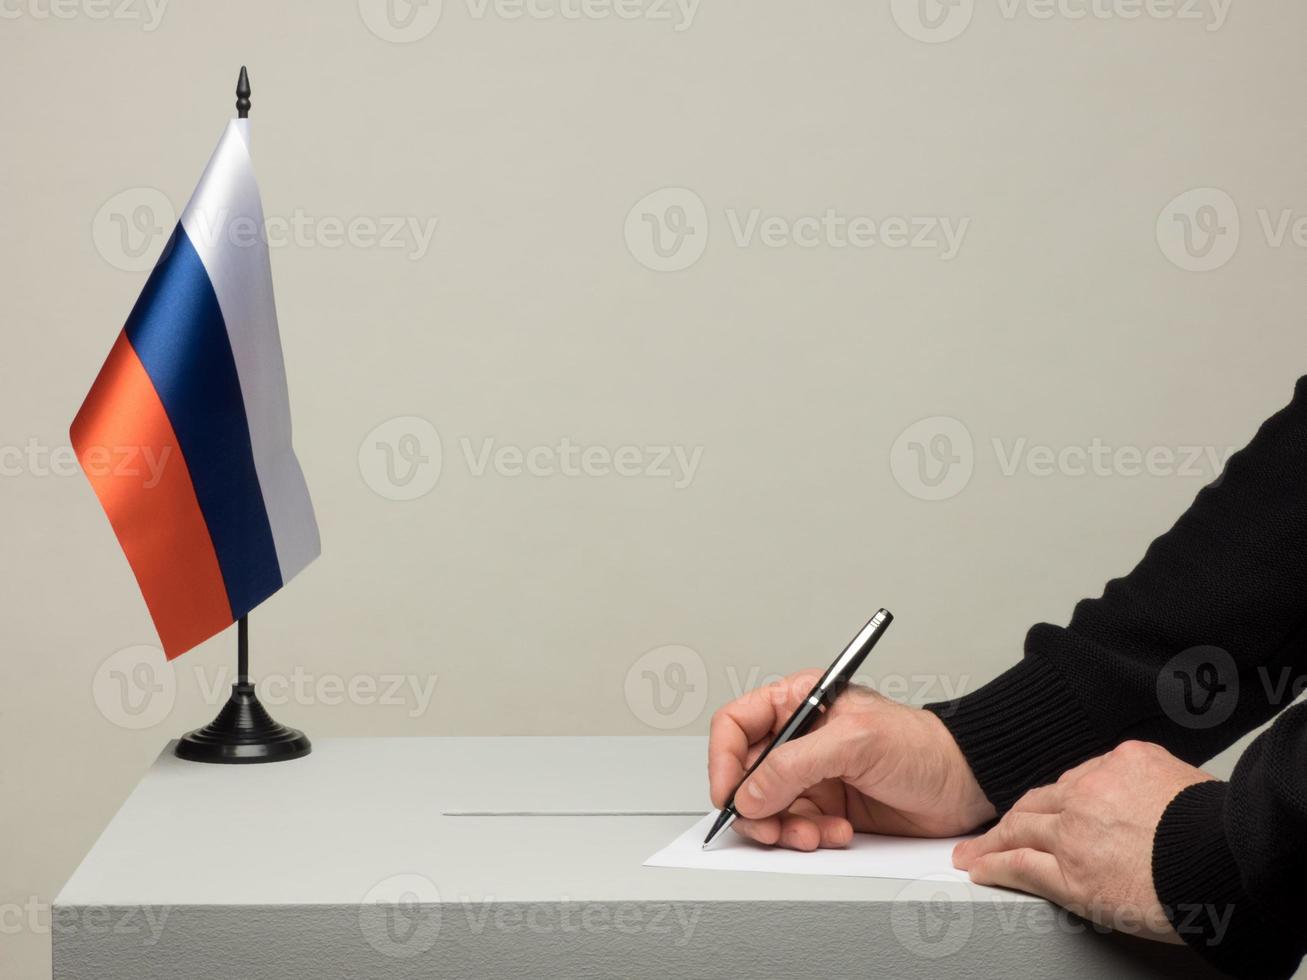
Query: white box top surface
(507, 819)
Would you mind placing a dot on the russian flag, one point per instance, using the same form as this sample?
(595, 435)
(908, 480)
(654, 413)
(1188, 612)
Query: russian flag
(196, 378)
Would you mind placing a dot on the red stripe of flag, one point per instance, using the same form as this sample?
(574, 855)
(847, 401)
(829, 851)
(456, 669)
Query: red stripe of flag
(153, 509)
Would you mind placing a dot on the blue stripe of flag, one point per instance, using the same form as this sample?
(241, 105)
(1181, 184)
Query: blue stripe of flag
(177, 331)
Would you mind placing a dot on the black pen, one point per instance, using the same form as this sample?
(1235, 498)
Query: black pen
(823, 694)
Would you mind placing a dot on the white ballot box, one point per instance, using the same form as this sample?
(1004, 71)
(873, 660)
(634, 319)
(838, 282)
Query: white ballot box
(504, 857)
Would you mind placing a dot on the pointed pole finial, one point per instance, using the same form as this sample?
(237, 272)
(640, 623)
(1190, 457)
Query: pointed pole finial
(243, 95)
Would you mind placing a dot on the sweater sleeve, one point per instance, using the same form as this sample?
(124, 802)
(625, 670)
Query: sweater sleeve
(1229, 860)
(1204, 640)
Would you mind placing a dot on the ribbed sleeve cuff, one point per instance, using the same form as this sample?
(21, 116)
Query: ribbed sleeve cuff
(1022, 729)
(1199, 885)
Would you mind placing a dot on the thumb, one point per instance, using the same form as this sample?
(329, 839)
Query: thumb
(791, 769)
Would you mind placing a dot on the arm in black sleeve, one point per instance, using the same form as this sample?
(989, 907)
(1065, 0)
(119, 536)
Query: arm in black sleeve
(1204, 640)
(1200, 643)
(1229, 859)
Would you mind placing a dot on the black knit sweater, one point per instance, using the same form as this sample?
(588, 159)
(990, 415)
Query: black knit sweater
(1203, 641)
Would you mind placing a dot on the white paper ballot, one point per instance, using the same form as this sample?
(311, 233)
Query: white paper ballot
(866, 856)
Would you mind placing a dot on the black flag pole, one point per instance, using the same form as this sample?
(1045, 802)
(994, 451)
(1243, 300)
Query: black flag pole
(243, 730)
(243, 650)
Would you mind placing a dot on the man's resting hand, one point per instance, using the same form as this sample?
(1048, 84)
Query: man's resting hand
(1086, 841)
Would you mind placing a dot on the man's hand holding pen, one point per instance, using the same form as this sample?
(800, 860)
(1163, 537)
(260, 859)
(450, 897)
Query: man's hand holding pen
(871, 765)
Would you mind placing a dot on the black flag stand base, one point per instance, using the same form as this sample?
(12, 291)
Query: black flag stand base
(243, 732)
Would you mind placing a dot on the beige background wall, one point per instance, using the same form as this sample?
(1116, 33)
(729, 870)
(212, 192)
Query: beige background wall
(787, 360)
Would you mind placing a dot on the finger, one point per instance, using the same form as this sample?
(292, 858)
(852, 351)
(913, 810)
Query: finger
(794, 767)
(1042, 799)
(1024, 869)
(799, 833)
(1015, 831)
(750, 757)
(804, 828)
(788, 829)
(834, 831)
(741, 723)
(765, 831)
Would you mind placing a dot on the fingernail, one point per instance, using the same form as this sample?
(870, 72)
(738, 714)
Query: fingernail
(753, 791)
